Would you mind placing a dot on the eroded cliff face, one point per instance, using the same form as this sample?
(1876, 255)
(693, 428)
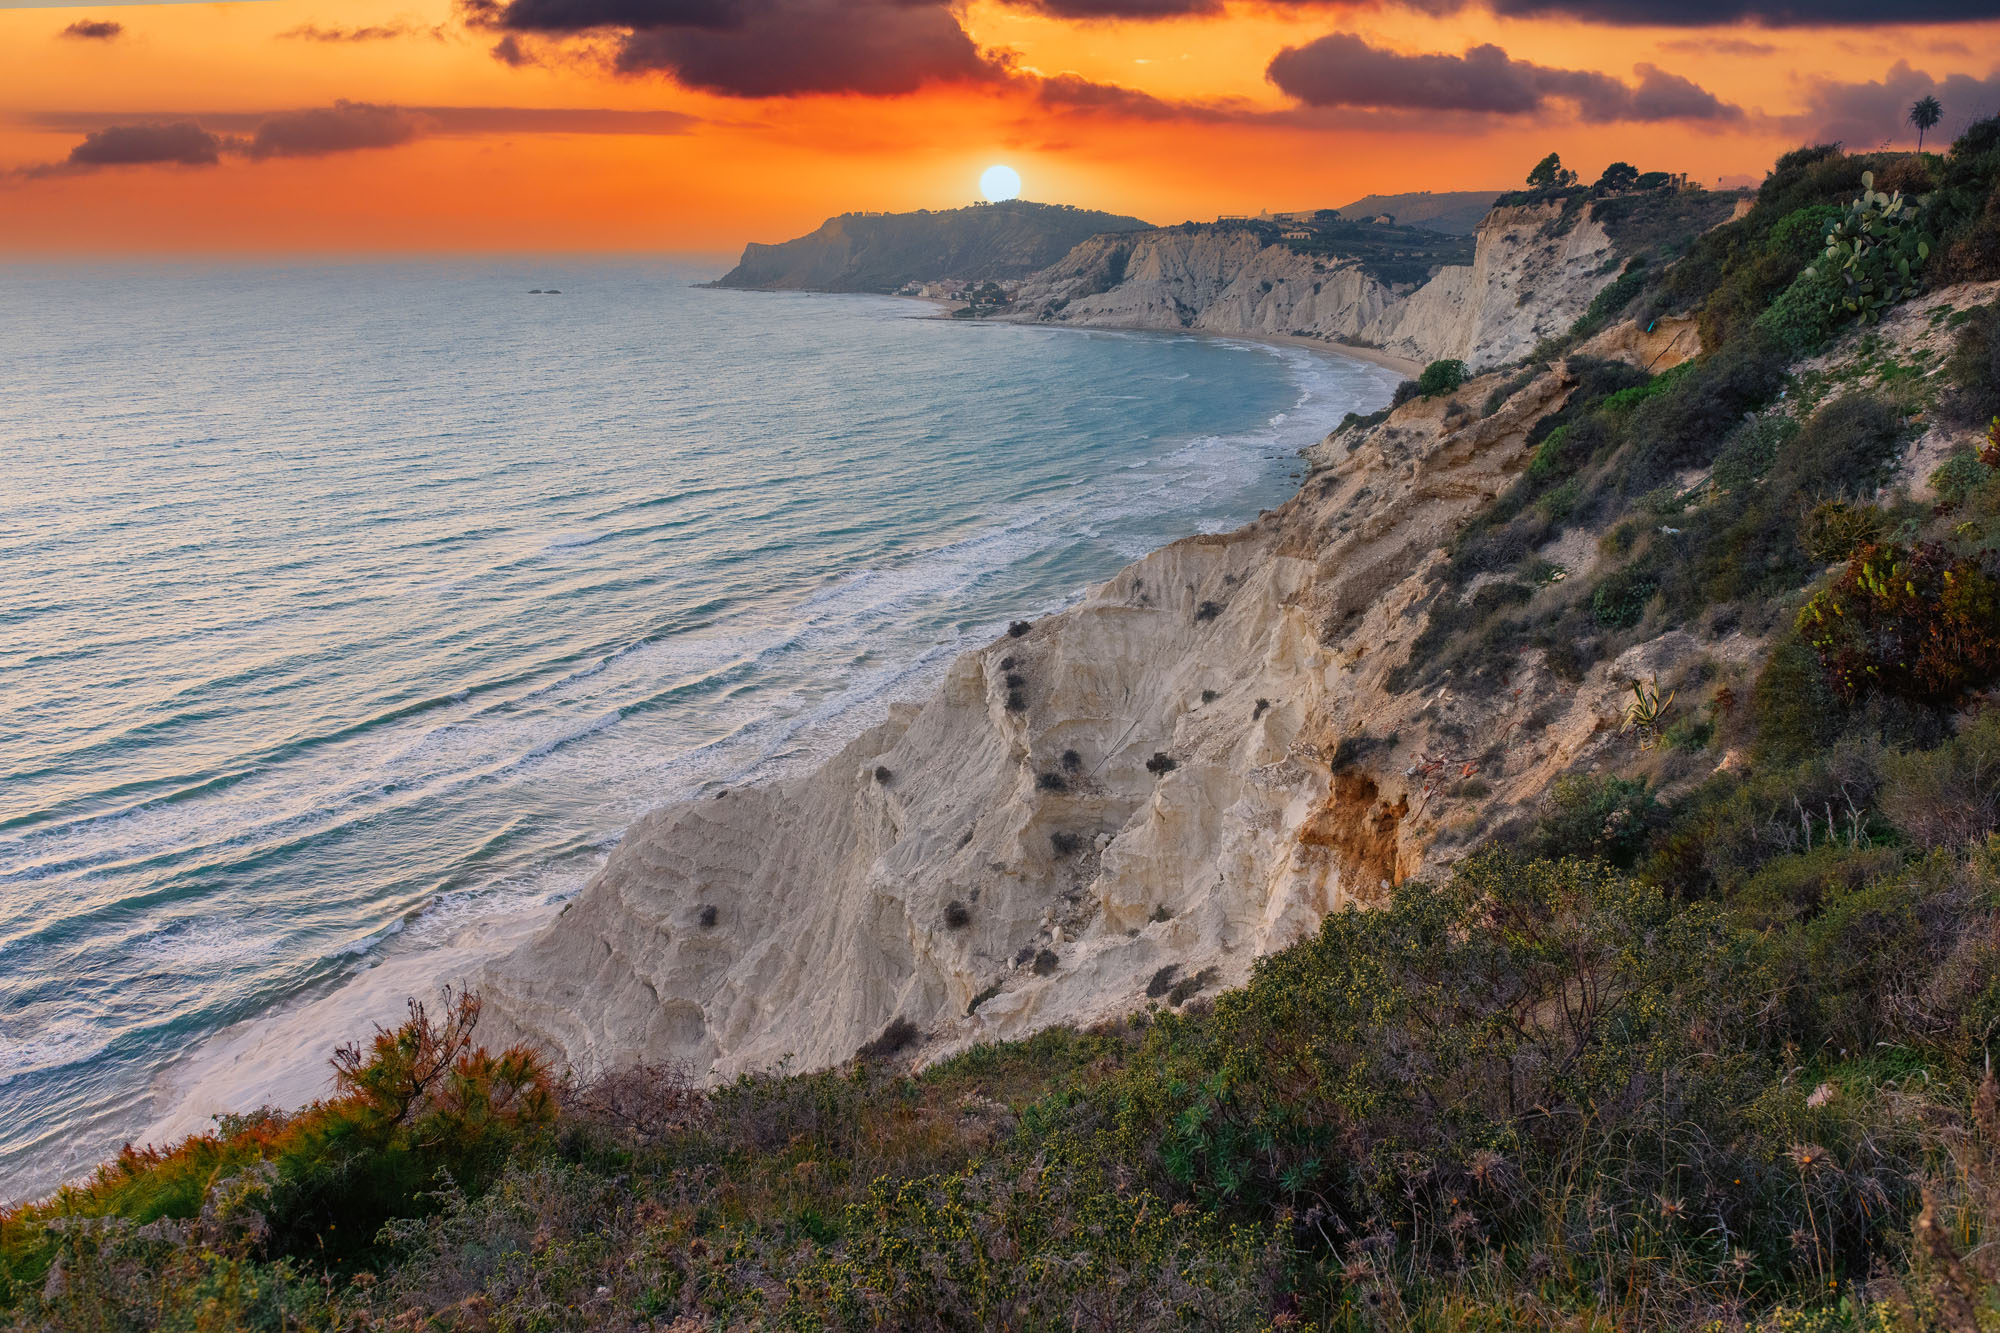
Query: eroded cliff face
(1530, 277)
(1148, 788)
(1215, 280)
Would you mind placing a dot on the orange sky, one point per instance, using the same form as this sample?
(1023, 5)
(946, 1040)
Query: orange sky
(1212, 133)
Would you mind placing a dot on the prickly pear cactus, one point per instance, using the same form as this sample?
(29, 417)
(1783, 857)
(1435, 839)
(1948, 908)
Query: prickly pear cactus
(1877, 250)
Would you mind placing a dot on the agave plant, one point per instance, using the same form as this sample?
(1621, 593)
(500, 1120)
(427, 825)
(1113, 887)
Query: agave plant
(1647, 711)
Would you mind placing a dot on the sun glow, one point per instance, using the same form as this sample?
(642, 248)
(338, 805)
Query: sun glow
(998, 183)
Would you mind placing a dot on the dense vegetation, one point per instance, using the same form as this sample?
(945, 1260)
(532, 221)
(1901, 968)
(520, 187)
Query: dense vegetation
(1705, 1042)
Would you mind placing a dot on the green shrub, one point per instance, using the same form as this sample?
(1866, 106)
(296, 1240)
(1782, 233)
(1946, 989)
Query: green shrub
(1443, 376)
(1958, 477)
(1851, 444)
(1796, 711)
(1619, 600)
(1947, 797)
(1974, 366)
(1834, 530)
(1806, 313)
(1609, 818)
(1794, 886)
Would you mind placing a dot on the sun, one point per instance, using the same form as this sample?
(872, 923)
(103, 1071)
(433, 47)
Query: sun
(998, 183)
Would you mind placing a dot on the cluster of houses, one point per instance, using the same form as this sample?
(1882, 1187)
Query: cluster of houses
(957, 289)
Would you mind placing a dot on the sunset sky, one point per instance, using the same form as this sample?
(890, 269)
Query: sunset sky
(692, 125)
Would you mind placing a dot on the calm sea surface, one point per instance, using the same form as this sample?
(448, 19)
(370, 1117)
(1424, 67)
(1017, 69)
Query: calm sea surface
(343, 604)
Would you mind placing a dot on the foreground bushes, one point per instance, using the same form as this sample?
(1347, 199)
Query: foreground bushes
(1542, 1093)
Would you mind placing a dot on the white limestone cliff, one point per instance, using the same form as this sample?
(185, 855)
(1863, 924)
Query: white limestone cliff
(1134, 792)
(1534, 271)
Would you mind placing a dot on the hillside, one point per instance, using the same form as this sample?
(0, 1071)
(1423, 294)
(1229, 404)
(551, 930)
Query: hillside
(880, 252)
(1637, 695)
(1455, 212)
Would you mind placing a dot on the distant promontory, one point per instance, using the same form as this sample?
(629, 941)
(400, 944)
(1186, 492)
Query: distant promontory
(883, 252)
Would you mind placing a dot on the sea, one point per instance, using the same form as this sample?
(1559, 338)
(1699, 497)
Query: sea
(349, 611)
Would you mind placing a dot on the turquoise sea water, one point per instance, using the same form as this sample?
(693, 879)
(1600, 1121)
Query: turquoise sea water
(342, 603)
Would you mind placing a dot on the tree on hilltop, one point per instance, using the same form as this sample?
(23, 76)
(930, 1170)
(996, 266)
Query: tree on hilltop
(1550, 174)
(1925, 113)
(1618, 176)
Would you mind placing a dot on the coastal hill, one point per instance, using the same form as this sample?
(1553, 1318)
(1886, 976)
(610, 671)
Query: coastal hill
(1454, 212)
(880, 252)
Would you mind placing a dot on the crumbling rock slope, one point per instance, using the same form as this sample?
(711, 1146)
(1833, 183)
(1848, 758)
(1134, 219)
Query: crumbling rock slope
(1131, 800)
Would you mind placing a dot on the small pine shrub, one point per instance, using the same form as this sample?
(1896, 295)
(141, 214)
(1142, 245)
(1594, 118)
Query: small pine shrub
(1161, 763)
(705, 917)
(1018, 628)
(1046, 962)
(1051, 781)
(1208, 611)
(957, 916)
(882, 774)
(1163, 981)
(1065, 843)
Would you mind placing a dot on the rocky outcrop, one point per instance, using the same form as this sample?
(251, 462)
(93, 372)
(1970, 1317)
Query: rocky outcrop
(880, 252)
(1216, 279)
(1528, 279)
(1187, 770)
(1535, 270)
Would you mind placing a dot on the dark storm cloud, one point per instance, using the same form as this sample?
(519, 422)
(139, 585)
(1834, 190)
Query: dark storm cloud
(1867, 114)
(1768, 13)
(759, 48)
(1118, 9)
(1342, 70)
(1626, 13)
(94, 30)
(814, 46)
(580, 15)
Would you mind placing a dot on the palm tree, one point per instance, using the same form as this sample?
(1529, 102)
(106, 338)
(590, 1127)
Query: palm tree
(1925, 113)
